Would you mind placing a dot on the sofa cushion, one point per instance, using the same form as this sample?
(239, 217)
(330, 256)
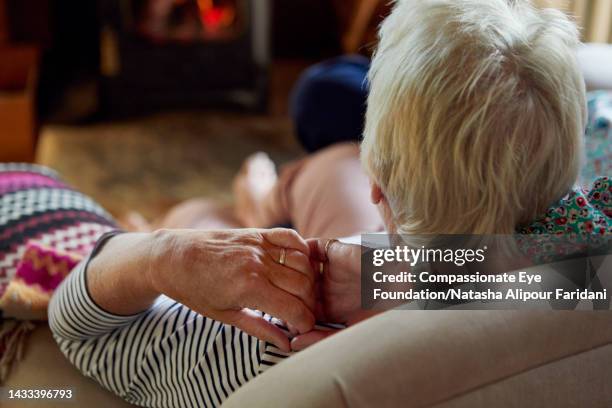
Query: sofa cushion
(45, 367)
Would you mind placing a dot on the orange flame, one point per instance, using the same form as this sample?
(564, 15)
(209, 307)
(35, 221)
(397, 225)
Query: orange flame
(215, 17)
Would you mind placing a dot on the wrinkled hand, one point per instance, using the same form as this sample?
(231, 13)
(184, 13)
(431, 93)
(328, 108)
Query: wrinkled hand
(338, 288)
(226, 275)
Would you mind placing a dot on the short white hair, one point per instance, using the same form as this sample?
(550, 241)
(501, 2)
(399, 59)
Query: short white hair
(476, 114)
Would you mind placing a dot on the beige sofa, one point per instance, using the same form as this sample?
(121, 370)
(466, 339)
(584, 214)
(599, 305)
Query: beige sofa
(408, 359)
(449, 359)
(44, 367)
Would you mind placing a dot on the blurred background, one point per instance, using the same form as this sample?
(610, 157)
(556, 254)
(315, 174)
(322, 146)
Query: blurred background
(145, 103)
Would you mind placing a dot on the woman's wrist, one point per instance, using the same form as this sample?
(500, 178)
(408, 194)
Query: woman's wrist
(119, 277)
(160, 248)
(169, 251)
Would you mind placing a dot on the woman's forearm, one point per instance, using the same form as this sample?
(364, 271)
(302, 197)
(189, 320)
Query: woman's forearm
(223, 275)
(119, 276)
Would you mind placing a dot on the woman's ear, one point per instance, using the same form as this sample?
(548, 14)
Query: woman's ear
(376, 193)
(380, 201)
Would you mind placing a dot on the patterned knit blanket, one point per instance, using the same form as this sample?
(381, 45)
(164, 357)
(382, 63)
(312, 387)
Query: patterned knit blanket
(46, 228)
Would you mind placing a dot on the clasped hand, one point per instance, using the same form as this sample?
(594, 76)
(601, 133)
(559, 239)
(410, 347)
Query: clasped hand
(229, 275)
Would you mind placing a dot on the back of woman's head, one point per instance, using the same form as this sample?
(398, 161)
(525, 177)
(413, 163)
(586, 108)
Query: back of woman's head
(475, 115)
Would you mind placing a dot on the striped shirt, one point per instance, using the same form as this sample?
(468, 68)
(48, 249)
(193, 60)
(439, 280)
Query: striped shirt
(167, 356)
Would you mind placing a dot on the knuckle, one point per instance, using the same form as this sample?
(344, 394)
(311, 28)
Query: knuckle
(257, 238)
(293, 235)
(185, 249)
(249, 282)
(253, 278)
(252, 260)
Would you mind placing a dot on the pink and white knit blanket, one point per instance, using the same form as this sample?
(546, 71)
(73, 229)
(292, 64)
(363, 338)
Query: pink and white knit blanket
(46, 228)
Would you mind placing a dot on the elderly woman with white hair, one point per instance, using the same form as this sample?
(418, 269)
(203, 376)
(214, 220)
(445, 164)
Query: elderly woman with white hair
(475, 125)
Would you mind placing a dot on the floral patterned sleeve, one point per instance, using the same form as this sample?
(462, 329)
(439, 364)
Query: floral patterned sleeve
(582, 211)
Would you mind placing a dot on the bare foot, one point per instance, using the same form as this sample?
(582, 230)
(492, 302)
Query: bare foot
(252, 184)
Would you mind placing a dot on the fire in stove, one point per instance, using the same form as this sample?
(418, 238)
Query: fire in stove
(216, 15)
(171, 54)
(189, 20)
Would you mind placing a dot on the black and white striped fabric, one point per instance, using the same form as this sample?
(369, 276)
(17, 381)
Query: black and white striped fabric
(168, 356)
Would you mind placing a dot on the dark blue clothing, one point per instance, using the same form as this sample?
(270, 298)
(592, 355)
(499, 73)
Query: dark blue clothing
(329, 102)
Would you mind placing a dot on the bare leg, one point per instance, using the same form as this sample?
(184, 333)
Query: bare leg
(330, 197)
(324, 195)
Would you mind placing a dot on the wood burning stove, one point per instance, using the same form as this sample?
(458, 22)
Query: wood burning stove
(158, 54)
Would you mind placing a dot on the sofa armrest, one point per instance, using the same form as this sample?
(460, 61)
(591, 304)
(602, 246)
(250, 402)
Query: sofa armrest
(424, 358)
